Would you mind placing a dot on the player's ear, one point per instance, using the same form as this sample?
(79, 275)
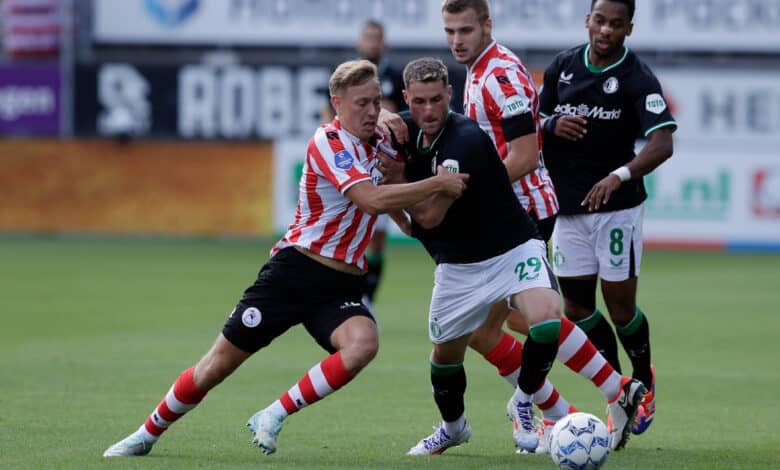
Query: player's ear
(406, 96)
(335, 101)
(587, 21)
(449, 92)
(629, 29)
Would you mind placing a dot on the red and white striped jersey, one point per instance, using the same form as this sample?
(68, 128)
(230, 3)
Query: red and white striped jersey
(326, 221)
(499, 87)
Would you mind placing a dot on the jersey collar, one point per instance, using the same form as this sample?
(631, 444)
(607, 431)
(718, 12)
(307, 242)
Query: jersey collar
(482, 55)
(353, 138)
(426, 150)
(595, 68)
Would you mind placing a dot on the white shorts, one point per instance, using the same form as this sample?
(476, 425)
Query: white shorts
(464, 293)
(605, 243)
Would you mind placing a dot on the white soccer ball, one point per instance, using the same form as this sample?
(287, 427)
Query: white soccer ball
(579, 441)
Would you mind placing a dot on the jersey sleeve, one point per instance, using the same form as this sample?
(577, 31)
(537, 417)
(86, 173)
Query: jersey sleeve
(548, 95)
(651, 107)
(512, 94)
(329, 158)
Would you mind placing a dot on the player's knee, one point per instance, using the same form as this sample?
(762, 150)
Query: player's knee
(360, 350)
(579, 297)
(484, 338)
(518, 323)
(621, 314)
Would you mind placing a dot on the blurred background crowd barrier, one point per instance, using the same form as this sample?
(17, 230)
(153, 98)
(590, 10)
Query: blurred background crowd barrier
(191, 116)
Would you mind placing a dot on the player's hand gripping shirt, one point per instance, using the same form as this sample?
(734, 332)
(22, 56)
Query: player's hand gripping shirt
(501, 97)
(621, 103)
(326, 221)
(487, 220)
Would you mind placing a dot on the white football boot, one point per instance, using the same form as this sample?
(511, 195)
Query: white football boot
(265, 427)
(440, 441)
(133, 445)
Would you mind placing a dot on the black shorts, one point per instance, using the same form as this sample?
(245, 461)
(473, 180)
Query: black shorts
(292, 288)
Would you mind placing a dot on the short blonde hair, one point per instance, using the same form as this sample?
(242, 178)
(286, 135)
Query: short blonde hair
(349, 74)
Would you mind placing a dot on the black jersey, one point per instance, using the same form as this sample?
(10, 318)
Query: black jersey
(487, 220)
(621, 102)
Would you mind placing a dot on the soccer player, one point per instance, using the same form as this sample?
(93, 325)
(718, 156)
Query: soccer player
(314, 275)
(372, 46)
(482, 256)
(501, 97)
(598, 98)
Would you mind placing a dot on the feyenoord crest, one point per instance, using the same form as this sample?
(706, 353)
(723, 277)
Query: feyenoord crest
(611, 85)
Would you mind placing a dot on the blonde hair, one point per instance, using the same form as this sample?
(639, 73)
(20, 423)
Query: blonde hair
(349, 74)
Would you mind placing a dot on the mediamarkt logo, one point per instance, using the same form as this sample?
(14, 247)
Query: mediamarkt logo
(597, 112)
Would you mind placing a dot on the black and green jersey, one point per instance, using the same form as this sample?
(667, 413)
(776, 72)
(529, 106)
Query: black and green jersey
(621, 102)
(487, 220)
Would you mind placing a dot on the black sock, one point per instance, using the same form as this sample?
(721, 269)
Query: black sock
(449, 386)
(635, 337)
(602, 336)
(538, 359)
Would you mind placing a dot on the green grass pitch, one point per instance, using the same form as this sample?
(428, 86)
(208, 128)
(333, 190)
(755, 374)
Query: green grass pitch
(93, 333)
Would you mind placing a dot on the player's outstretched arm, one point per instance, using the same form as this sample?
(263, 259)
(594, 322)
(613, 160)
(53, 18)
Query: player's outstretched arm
(387, 198)
(659, 147)
(430, 212)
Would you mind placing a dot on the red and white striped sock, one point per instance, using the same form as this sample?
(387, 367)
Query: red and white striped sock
(181, 398)
(580, 355)
(507, 356)
(551, 403)
(321, 380)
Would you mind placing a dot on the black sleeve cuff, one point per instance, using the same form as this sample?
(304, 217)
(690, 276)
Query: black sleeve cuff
(518, 126)
(549, 124)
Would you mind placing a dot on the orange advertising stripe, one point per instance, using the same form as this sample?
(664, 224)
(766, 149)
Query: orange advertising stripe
(146, 187)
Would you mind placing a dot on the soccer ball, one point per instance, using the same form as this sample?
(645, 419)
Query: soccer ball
(579, 441)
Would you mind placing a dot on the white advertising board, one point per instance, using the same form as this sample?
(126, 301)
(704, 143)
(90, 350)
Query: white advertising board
(697, 198)
(706, 197)
(721, 107)
(659, 24)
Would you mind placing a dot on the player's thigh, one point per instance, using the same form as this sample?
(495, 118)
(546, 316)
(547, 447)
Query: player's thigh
(619, 244)
(341, 301)
(538, 304)
(271, 305)
(574, 246)
(330, 318)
